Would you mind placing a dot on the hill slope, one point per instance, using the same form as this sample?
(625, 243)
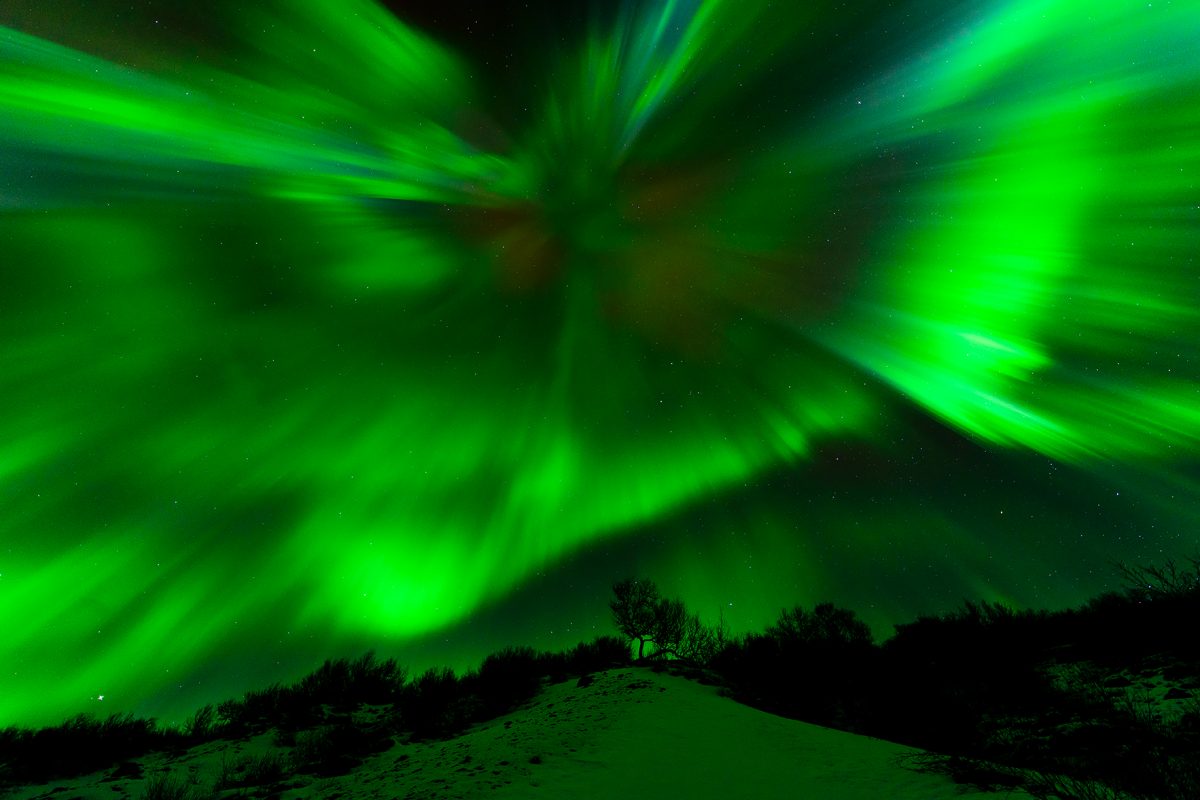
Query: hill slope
(631, 733)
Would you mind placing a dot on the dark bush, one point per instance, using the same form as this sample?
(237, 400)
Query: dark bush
(262, 709)
(168, 786)
(940, 676)
(346, 684)
(507, 679)
(824, 627)
(202, 724)
(261, 770)
(603, 652)
(816, 666)
(316, 753)
(339, 685)
(336, 749)
(78, 746)
(437, 704)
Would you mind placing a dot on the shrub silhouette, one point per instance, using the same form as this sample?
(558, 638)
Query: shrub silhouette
(345, 684)
(341, 684)
(261, 770)
(318, 752)
(603, 652)
(168, 786)
(275, 706)
(940, 676)
(202, 724)
(1006, 694)
(80, 745)
(313, 715)
(814, 666)
(336, 749)
(507, 679)
(826, 626)
(436, 705)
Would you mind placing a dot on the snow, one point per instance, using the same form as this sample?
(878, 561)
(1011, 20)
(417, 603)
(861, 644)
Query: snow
(632, 733)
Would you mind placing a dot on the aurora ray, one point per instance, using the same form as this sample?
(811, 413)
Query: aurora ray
(308, 340)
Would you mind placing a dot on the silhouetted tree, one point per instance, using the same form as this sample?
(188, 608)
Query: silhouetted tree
(635, 610)
(699, 642)
(642, 613)
(670, 621)
(1171, 580)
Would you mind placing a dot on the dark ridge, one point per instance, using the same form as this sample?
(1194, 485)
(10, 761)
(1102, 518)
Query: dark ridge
(1058, 703)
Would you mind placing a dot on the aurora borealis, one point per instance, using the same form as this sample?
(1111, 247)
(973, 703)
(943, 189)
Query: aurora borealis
(326, 325)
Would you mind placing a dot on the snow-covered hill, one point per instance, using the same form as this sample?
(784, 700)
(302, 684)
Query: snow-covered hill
(631, 733)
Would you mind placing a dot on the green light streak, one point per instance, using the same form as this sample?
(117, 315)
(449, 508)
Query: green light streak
(982, 313)
(288, 353)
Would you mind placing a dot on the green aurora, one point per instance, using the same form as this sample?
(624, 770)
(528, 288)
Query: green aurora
(318, 335)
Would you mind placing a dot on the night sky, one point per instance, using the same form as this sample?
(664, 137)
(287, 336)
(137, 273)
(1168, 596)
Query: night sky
(328, 325)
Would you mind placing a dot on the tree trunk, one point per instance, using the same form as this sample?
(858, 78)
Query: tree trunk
(641, 647)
